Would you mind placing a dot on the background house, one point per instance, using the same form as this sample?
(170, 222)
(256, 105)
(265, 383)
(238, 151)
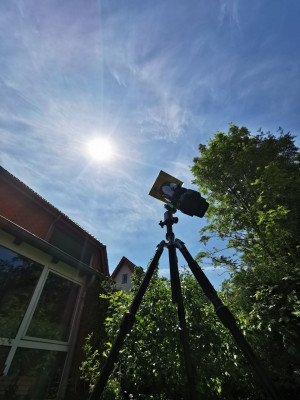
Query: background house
(50, 273)
(122, 274)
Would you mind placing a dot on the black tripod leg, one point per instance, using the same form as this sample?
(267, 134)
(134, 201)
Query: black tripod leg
(228, 320)
(184, 336)
(125, 326)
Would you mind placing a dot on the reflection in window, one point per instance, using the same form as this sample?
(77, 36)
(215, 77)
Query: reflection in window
(37, 373)
(53, 315)
(4, 350)
(18, 278)
(71, 244)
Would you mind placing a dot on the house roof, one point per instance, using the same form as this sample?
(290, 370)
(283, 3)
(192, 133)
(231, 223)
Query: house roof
(50, 207)
(123, 261)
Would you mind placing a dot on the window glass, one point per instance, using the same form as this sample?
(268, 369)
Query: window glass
(53, 315)
(87, 254)
(4, 350)
(71, 244)
(36, 373)
(124, 278)
(67, 242)
(18, 278)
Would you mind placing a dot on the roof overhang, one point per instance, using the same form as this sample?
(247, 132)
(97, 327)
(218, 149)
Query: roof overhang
(22, 235)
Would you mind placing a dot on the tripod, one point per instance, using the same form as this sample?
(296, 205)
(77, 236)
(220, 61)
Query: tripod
(221, 310)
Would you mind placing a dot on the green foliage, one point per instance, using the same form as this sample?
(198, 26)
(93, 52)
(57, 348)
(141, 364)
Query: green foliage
(150, 360)
(150, 365)
(252, 183)
(93, 320)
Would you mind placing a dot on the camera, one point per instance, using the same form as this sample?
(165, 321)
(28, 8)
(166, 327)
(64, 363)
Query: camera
(169, 189)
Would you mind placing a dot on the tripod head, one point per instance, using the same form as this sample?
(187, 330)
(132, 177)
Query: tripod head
(168, 221)
(168, 216)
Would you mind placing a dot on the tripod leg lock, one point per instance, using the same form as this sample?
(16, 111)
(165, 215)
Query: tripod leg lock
(127, 322)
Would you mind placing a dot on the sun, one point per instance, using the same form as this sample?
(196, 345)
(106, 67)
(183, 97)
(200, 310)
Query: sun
(100, 149)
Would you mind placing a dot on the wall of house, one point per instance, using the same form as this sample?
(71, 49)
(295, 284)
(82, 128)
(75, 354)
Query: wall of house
(35, 215)
(118, 278)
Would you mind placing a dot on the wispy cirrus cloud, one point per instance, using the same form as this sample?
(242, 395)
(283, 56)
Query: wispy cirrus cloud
(156, 78)
(229, 8)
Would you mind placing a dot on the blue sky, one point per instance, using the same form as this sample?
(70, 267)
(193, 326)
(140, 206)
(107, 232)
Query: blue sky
(156, 78)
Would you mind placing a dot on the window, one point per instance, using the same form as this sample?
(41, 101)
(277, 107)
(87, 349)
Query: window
(18, 279)
(68, 242)
(37, 311)
(36, 373)
(4, 350)
(53, 315)
(124, 278)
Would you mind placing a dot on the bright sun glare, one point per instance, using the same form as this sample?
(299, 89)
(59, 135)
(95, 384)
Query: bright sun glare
(100, 149)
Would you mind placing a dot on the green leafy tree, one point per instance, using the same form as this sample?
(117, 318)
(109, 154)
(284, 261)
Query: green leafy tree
(252, 183)
(150, 364)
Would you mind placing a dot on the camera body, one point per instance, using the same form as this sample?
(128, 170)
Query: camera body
(188, 201)
(169, 189)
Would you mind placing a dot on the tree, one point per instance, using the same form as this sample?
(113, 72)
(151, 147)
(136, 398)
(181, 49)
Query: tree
(150, 364)
(252, 183)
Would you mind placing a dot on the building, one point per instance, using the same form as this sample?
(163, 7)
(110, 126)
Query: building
(49, 268)
(122, 274)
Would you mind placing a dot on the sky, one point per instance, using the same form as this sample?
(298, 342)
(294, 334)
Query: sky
(154, 78)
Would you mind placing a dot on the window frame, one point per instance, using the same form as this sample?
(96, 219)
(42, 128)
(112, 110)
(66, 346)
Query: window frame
(21, 340)
(124, 279)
